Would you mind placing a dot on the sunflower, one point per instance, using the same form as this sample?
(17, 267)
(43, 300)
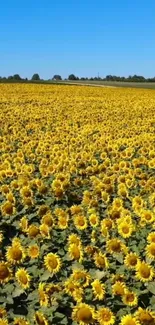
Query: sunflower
(43, 297)
(52, 263)
(150, 251)
(76, 209)
(33, 251)
(3, 321)
(80, 222)
(115, 245)
(145, 316)
(51, 289)
(81, 277)
(74, 239)
(3, 312)
(63, 222)
(101, 260)
(144, 272)
(98, 289)
(74, 290)
(107, 223)
(105, 316)
(24, 224)
(75, 252)
(43, 210)
(94, 220)
(118, 288)
(15, 253)
(45, 231)
(148, 216)
(7, 209)
(26, 192)
(48, 220)
(1, 237)
(130, 298)
(129, 320)
(20, 321)
(5, 272)
(33, 231)
(83, 314)
(131, 260)
(40, 318)
(125, 229)
(23, 278)
(151, 237)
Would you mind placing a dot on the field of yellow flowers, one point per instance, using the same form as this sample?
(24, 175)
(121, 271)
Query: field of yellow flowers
(77, 205)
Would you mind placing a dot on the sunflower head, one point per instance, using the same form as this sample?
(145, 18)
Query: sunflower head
(129, 320)
(98, 289)
(144, 272)
(20, 321)
(33, 251)
(52, 262)
(23, 278)
(101, 260)
(83, 314)
(40, 318)
(145, 316)
(105, 316)
(131, 260)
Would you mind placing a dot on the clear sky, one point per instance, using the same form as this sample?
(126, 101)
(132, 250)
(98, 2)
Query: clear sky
(83, 37)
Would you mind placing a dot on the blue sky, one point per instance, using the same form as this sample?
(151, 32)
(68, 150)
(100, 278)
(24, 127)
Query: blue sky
(83, 37)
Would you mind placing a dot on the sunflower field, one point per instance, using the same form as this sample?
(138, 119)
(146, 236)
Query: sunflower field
(77, 205)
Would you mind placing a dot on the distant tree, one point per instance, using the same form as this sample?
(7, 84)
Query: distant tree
(10, 78)
(17, 77)
(35, 77)
(72, 77)
(56, 77)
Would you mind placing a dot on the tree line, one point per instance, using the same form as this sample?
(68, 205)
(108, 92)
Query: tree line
(36, 77)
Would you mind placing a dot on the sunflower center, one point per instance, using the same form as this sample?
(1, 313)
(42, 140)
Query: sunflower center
(152, 250)
(101, 261)
(106, 316)
(130, 297)
(84, 315)
(146, 318)
(16, 253)
(133, 260)
(145, 271)
(4, 272)
(125, 229)
(81, 222)
(53, 263)
(23, 278)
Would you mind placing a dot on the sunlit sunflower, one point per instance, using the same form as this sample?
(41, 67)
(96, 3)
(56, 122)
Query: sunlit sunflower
(40, 318)
(1, 237)
(145, 316)
(33, 251)
(144, 272)
(82, 277)
(129, 320)
(75, 252)
(130, 298)
(125, 229)
(63, 222)
(45, 231)
(15, 253)
(24, 224)
(101, 260)
(5, 272)
(74, 239)
(131, 260)
(80, 222)
(3, 321)
(43, 297)
(7, 209)
(98, 289)
(150, 251)
(105, 316)
(94, 220)
(115, 245)
(20, 321)
(43, 210)
(83, 314)
(48, 220)
(151, 237)
(74, 290)
(33, 231)
(23, 278)
(118, 288)
(3, 312)
(52, 262)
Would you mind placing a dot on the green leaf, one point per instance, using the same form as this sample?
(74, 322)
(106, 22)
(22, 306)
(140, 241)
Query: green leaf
(59, 315)
(151, 287)
(46, 275)
(17, 292)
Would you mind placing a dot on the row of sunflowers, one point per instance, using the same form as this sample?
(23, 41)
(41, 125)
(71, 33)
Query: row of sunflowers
(77, 205)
